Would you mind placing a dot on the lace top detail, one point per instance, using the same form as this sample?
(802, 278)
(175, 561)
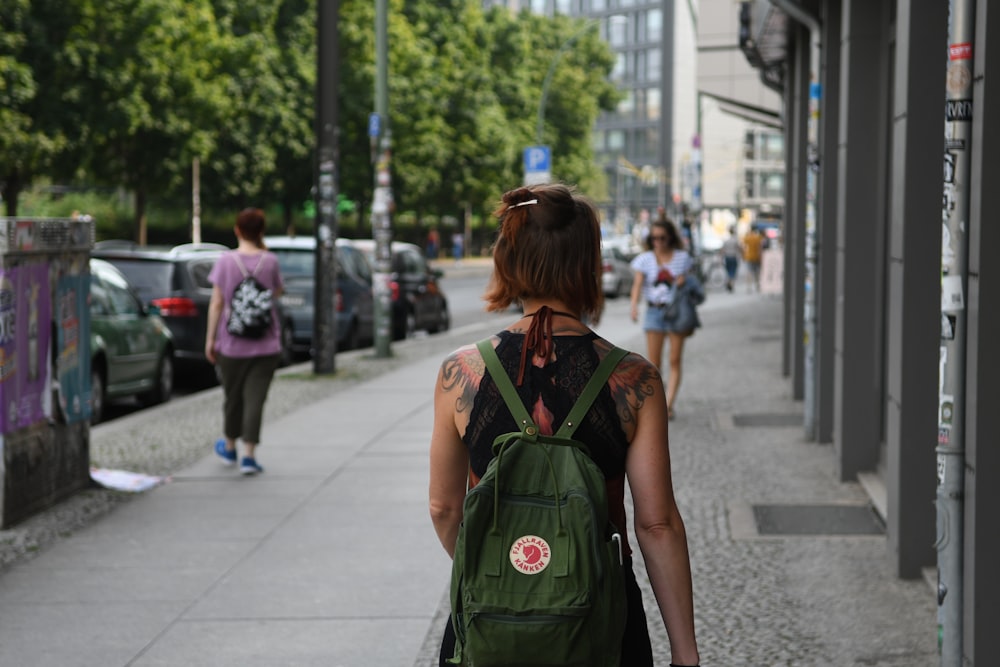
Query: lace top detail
(548, 392)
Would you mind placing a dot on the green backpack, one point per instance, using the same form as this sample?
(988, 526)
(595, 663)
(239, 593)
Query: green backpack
(537, 577)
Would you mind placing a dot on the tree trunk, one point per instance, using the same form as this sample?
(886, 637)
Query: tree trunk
(140, 216)
(11, 192)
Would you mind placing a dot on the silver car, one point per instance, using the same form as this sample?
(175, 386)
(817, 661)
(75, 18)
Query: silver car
(616, 274)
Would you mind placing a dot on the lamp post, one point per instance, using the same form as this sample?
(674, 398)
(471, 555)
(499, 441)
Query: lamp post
(552, 69)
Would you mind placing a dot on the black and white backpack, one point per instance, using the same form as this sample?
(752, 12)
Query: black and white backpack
(250, 307)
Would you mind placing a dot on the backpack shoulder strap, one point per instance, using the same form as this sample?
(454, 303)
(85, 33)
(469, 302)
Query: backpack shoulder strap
(583, 403)
(506, 387)
(239, 264)
(590, 392)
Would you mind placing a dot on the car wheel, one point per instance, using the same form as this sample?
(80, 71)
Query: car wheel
(164, 382)
(352, 341)
(97, 395)
(443, 322)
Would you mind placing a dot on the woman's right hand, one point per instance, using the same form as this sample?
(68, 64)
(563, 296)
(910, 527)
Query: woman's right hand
(634, 312)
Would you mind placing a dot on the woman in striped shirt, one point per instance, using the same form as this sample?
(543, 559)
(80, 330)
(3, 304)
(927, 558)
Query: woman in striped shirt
(659, 272)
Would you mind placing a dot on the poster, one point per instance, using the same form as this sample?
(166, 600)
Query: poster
(73, 346)
(25, 331)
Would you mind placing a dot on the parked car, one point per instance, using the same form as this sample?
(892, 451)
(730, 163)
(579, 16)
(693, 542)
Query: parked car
(131, 349)
(616, 273)
(417, 299)
(174, 281)
(353, 302)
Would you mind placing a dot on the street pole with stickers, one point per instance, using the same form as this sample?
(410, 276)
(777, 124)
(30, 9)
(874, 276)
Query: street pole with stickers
(324, 320)
(382, 206)
(954, 281)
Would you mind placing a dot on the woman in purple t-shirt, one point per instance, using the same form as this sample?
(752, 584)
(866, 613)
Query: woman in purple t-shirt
(246, 365)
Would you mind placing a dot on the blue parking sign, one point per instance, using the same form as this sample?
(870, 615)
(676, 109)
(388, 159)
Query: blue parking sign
(537, 165)
(537, 158)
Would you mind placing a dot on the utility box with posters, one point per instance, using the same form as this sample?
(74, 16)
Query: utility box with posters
(44, 363)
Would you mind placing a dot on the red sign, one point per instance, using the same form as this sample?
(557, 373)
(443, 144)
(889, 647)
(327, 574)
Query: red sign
(960, 51)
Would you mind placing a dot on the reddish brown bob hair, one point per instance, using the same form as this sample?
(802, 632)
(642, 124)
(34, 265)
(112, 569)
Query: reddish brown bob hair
(548, 247)
(251, 222)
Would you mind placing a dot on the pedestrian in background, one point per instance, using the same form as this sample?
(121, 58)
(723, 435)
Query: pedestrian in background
(660, 272)
(547, 256)
(457, 246)
(753, 247)
(433, 241)
(246, 365)
(731, 252)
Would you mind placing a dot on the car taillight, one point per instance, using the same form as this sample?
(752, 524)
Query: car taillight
(338, 301)
(607, 268)
(394, 290)
(176, 306)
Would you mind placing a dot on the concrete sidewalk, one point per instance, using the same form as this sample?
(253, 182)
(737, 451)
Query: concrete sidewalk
(329, 557)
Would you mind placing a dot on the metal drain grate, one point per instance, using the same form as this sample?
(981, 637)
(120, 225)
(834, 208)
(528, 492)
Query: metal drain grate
(817, 520)
(767, 419)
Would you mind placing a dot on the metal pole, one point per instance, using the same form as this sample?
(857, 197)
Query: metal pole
(954, 281)
(324, 319)
(196, 201)
(382, 200)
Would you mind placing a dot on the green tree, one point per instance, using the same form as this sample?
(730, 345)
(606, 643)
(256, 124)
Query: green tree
(30, 137)
(263, 148)
(145, 92)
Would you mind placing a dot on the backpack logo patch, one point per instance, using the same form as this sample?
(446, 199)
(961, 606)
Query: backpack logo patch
(530, 554)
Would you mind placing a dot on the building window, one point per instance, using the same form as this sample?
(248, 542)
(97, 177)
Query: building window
(563, 7)
(772, 147)
(539, 6)
(618, 72)
(653, 68)
(654, 25)
(618, 32)
(772, 185)
(646, 144)
(598, 5)
(616, 140)
(653, 97)
(626, 108)
(748, 146)
(598, 141)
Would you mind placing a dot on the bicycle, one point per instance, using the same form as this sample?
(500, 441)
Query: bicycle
(711, 269)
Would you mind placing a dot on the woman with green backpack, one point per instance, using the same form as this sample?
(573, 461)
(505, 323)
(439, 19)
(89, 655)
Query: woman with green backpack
(512, 601)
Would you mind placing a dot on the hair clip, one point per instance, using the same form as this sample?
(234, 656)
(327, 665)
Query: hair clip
(525, 203)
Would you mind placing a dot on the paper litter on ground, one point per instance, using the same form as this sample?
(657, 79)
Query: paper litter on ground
(123, 480)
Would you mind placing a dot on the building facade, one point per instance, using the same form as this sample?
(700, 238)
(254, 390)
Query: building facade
(696, 128)
(889, 335)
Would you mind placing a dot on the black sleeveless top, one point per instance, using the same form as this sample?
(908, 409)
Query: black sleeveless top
(557, 385)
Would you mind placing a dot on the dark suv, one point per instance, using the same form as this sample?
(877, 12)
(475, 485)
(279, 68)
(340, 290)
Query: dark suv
(417, 299)
(353, 304)
(173, 281)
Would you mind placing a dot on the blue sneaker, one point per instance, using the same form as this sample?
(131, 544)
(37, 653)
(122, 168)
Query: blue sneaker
(249, 466)
(228, 456)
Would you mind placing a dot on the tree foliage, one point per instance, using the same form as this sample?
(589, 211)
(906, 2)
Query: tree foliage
(136, 89)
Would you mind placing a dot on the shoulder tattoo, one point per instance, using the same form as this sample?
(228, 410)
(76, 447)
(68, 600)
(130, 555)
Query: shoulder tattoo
(461, 373)
(634, 381)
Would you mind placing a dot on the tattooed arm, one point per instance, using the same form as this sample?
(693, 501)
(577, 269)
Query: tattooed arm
(457, 384)
(658, 524)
